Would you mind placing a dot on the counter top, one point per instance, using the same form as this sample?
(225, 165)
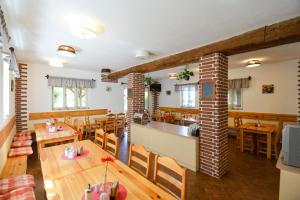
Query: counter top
(280, 165)
(168, 128)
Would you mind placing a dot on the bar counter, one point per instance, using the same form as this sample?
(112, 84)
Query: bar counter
(168, 140)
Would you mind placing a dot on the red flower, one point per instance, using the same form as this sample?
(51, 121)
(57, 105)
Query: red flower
(77, 133)
(55, 120)
(107, 159)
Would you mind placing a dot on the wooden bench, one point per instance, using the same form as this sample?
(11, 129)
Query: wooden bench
(14, 167)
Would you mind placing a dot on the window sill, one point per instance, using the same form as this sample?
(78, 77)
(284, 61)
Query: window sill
(69, 109)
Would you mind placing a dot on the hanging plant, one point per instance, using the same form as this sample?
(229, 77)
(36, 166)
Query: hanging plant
(185, 75)
(149, 80)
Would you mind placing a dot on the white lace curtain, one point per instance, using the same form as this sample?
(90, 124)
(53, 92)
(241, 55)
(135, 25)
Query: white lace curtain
(70, 82)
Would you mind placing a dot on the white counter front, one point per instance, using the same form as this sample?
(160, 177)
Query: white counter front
(168, 140)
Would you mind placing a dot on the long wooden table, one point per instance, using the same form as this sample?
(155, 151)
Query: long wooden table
(43, 136)
(266, 129)
(67, 179)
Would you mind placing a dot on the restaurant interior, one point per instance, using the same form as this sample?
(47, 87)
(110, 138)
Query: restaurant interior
(149, 100)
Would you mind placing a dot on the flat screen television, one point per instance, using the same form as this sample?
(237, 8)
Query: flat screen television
(155, 87)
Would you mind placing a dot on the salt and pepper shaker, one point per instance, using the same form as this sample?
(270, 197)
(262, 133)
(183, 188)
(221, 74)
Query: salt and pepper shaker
(88, 193)
(114, 190)
(104, 196)
(97, 187)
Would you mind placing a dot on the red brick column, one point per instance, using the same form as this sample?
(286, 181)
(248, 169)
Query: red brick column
(21, 99)
(214, 116)
(155, 101)
(136, 93)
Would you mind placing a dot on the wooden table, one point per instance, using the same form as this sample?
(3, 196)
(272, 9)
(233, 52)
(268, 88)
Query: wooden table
(101, 121)
(43, 136)
(67, 179)
(266, 129)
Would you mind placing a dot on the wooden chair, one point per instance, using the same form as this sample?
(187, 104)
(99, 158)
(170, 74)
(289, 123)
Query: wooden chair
(100, 138)
(249, 138)
(80, 127)
(120, 123)
(136, 153)
(178, 180)
(110, 124)
(89, 127)
(68, 120)
(262, 142)
(112, 144)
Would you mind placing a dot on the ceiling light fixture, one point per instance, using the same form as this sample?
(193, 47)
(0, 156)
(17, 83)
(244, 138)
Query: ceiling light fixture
(66, 50)
(83, 32)
(105, 71)
(142, 54)
(253, 63)
(56, 63)
(172, 75)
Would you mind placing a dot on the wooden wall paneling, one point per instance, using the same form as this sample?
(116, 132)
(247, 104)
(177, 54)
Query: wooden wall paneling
(4, 132)
(59, 114)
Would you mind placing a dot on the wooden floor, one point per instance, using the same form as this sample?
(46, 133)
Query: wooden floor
(249, 177)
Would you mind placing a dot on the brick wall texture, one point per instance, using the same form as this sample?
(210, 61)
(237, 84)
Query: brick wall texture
(136, 99)
(155, 101)
(214, 116)
(21, 99)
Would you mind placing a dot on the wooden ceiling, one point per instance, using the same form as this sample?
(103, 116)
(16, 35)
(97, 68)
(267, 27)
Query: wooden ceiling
(268, 36)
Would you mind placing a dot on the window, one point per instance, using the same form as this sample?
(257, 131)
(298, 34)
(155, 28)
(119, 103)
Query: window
(69, 98)
(188, 96)
(125, 100)
(6, 94)
(146, 99)
(235, 99)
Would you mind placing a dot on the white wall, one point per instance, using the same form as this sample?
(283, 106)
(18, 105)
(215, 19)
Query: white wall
(39, 93)
(283, 75)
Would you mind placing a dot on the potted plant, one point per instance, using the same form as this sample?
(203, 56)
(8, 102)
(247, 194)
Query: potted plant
(185, 75)
(149, 80)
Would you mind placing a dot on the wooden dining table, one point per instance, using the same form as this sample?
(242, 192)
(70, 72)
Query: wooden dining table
(67, 179)
(265, 129)
(43, 136)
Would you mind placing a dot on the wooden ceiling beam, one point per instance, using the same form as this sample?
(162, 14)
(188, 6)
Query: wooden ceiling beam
(284, 32)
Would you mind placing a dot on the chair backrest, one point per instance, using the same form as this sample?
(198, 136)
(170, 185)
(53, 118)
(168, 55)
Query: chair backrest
(112, 144)
(100, 138)
(110, 124)
(80, 127)
(120, 121)
(177, 171)
(278, 133)
(68, 120)
(139, 155)
(237, 122)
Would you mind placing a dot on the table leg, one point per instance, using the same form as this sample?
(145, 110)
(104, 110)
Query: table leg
(269, 147)
(242, 140)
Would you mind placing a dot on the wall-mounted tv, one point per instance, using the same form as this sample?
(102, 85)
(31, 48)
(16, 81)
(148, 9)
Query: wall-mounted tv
(155, 87)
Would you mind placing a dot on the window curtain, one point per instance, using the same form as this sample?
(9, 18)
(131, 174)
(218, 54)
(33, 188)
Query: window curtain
(13, 65)
(184, 87)
(70, 82)
(238, 83)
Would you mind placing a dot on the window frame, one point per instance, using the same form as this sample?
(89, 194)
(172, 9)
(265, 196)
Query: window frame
(76, 107)
(232, 106)
(181, 96)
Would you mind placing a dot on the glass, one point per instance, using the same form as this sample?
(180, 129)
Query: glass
(70, 97)
(58, 97)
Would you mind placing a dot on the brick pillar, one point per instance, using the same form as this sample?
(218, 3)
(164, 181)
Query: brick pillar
(214, 116)
(21, 99)
(136, 99)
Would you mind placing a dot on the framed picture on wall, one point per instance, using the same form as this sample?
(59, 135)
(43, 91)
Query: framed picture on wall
(207, 89)
(129, 93)
(268, 89)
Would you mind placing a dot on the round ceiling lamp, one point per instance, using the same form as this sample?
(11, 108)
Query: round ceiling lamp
(83, 32)
(253, 63)
(105, 71)
(172, 75)
(66, 50)
(142, 54)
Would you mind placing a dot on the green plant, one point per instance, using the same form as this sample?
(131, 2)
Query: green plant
(149, 80)
(185, 75)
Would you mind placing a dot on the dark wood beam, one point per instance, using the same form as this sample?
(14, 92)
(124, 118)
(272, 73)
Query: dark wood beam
(268, 36)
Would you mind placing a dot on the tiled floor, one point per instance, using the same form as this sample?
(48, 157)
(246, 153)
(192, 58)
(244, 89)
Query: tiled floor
(249, 177)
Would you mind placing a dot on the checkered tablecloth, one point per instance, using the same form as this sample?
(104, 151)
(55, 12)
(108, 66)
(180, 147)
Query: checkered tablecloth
(23, 133)
(24, 193)
(20, 151)
(21, 143)
(18, 138)
(9, 184)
